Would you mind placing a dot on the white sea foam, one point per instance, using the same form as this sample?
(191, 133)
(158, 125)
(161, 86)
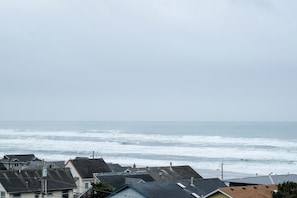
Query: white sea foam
(249, 155)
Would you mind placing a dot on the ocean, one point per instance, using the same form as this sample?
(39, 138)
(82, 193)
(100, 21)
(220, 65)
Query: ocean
(255, 148)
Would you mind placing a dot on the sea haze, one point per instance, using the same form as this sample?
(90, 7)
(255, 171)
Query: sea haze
(247, 147)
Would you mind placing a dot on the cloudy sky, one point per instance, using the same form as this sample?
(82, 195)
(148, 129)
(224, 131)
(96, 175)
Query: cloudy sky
(189, 60)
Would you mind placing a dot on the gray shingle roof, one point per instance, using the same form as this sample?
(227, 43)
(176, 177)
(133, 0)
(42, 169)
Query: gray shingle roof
(203, 186)
(158, 190)
(171, 189)
(20, 158)
(269, 179)
(171, 172)
(116, 167)
(117, 180)
(30, 180)
(86, 167)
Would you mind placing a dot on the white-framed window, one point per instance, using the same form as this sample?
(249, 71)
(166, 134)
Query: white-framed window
(86, 185)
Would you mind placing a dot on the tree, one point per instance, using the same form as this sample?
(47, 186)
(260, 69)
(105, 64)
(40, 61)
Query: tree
(101, 189)
(286, 190)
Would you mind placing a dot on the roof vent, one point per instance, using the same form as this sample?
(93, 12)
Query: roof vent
(192, 182)
(171, 166)
(181, 185)
(195, 195)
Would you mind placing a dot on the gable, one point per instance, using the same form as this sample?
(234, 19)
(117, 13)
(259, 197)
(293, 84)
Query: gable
(127, 192)
(87, 167)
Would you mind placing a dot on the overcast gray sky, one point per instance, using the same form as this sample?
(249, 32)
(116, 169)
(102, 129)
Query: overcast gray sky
(188, 60)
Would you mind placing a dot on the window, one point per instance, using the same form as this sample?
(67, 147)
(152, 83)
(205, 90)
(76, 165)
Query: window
(86, 185)
(16, 195)
(65, 194)
(36, 195)
(2, 194)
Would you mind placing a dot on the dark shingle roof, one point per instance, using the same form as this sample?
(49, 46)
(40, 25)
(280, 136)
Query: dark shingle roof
(176, 189)
(86, 167)
(116, 167)
(203, 186)
(171, 172)
(117, 180)
(20, 158)
(158, 190)
(30, 180)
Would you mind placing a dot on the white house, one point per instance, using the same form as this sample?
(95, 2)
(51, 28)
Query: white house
(83, 169)
(28, 183)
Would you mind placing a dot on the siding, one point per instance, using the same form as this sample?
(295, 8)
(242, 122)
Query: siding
(128, 193)
(218, 195)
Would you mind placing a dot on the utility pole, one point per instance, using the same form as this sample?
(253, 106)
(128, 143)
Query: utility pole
(43, 180)
(222, 170)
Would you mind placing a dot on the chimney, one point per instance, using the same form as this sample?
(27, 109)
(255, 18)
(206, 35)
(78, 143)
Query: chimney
(171, 166)
(134, 165)
(192, 182)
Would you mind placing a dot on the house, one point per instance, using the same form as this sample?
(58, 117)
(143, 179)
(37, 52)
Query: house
(167, 173)
(83, 169)
(255, 191)
(21, 162)
(266, 180)
(28, 183)
(202, 187)
(192, 188)
(118, 179)
(151, 190)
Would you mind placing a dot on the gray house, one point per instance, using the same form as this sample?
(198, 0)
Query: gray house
(20, 162)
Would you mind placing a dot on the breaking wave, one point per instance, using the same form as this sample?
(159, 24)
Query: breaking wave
(239, 154)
